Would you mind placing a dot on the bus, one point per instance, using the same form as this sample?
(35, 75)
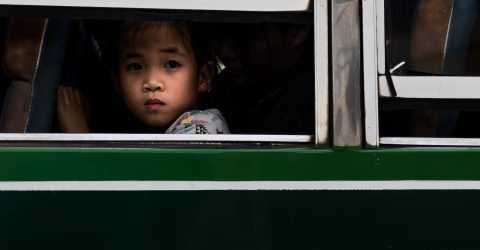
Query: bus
(390, 162)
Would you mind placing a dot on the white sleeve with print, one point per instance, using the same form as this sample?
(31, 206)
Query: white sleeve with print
(208, 121)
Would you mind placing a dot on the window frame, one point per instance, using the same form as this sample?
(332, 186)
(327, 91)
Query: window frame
(321, 60)
(231, 5)
(375, 84)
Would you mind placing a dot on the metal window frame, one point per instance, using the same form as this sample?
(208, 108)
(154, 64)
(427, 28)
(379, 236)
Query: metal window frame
(231, 5)
(72, 137)
(370, 71)
(422, 141)
(321, 45)
(414, 87)
(432, 87)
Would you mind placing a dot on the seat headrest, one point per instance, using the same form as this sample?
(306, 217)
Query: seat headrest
(22, 47)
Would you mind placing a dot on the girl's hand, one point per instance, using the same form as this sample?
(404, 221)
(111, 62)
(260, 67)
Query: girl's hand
(73, 111)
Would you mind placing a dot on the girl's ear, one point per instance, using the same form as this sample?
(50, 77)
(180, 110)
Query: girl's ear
(205, 76)
(116, 82)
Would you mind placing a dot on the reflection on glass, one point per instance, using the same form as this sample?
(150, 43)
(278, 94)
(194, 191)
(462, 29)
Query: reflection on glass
(432, 37)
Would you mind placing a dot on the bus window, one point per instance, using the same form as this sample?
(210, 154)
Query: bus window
(431, 37)
(426, 67)
(267, 58)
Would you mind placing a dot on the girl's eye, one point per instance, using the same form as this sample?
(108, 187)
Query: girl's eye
(134, 67)
(171, 64)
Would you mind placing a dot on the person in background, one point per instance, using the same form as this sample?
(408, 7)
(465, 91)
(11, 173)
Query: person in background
(267, 86)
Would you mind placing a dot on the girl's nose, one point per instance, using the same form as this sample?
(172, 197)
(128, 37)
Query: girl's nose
(153, 83)
(152, 86)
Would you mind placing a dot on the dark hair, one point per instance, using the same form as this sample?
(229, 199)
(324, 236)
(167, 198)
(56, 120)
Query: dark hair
(189, 31)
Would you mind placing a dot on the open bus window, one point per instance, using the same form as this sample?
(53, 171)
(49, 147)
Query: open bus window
(268, 64)
(427, 69)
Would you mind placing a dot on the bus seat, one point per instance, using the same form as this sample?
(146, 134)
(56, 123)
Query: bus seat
(21, 48)
(34, 53)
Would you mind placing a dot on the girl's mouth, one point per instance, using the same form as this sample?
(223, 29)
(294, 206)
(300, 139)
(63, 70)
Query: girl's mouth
(154, 104)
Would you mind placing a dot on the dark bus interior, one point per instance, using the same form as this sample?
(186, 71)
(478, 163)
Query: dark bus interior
(44, 47)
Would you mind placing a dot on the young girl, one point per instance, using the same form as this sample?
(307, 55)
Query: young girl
(161, 67)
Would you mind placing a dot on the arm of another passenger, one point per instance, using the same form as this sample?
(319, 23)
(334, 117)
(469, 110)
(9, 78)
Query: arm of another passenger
(73, 111)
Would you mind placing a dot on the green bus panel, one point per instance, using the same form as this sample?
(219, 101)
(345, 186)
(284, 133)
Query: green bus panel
(30, 164)
(240, 220)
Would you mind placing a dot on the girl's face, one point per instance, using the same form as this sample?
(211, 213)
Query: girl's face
(158, 76)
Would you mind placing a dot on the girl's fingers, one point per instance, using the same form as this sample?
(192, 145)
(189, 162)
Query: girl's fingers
(78, 96)
(73, 117)
(69, 95)
(64, 96)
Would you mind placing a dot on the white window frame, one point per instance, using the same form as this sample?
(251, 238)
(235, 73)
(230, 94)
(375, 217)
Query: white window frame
(229, 5)
(414, 87)
(321, 68)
